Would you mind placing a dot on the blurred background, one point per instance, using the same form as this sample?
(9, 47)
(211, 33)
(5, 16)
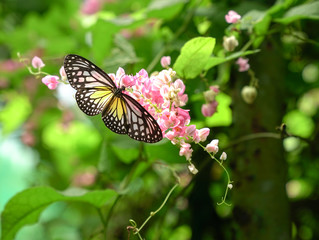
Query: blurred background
(45, 140)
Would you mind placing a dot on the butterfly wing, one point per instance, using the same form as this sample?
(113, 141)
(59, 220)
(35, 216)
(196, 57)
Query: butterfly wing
(114, 115)
(94, 87)
(82, 73)
(96, 93)
(141, 125)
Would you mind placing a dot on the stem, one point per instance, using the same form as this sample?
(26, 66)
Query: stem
(156, 211)
(225, 170)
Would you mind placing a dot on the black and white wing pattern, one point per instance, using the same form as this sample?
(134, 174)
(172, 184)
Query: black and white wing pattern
(97, 93)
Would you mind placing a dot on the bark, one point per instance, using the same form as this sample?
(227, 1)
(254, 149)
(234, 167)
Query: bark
(261, 207)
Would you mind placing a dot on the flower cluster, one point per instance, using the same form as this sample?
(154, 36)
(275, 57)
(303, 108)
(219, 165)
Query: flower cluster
(230, 43)
(210, 107)
(232, 17)
(162, 95)
(51, 81)
(243, 64)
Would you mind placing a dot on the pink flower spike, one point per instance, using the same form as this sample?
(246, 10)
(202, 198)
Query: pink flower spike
(165, 61)
(37, 62)
(203, 134)
(51, 81)
(90, 7)
(212, 146)
(209, 109)
(232, 17)
(243, 64)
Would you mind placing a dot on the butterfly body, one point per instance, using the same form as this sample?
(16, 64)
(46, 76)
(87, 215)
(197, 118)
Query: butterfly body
(97, 93)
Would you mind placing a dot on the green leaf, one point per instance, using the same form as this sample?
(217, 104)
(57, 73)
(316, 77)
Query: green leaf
(102, 38)
(299, 124)
(15, 112)
(223, 116)
(214, 61)
(123, 54)
(165, 9)
(165, 151)
(126, 154)
(26, 207)
(261, 29)
(194, 57)
(304, 11)
(78, 138)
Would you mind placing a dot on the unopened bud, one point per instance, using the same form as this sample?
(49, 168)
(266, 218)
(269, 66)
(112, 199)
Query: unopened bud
(249, 94)
(192, 169)
(230, 43)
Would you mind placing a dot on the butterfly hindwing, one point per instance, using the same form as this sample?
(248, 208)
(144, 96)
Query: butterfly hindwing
(97, 93)
(93, 100)
(114, 115)
(141, 125)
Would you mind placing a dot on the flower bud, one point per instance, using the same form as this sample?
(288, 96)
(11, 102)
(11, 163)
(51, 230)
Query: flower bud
(165, 61)
(223, 157)
(212, 146)
(37, 62)
(192, 169)
(232, 17)
(243, 64)
(249, 94)
(230, 43)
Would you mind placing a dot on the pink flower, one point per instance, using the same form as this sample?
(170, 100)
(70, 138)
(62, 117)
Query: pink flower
(90, 7)
(214, 88)
(63, 74)
(232, 17)
(51, 81)
(203, 134)
(190, 130)
(186, 151)
(209, 109)
(37, 62)
(165, 61)
(183, 116)
(212, 146)
(128, 81)
(169, 119)
(243, 64)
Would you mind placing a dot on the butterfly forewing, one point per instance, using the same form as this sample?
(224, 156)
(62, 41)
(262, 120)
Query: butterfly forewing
(97, 93)
(82, 73)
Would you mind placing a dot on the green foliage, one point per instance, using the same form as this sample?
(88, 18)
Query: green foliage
(305, 11)
(194, 56)
(10, 118)
(71, 151)
(24, 208)
(299, 124)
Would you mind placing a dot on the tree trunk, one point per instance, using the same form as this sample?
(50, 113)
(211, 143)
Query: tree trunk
(261, 207)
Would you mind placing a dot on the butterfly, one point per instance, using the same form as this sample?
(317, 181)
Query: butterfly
(97, 93)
